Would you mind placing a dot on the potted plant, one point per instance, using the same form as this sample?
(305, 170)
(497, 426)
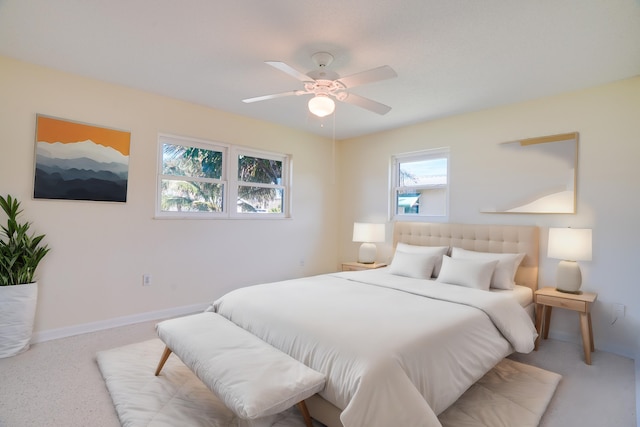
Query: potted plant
(20, 254)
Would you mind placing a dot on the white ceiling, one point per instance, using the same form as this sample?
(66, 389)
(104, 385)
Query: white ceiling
(451, 56)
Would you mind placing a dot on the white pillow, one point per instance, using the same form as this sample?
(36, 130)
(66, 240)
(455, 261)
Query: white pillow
(505, 273)
(470, 273)
(414, 265)
(437, 251)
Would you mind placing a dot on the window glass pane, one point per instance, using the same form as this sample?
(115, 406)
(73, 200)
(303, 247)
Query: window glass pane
(191, 196)
(408, 202)
(255, 169)
(423, 172)
(259, 199)
(182, 160)
(420, 184)
(426, 202)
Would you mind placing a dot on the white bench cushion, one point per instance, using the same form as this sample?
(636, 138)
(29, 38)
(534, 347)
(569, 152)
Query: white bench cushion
(251, 377)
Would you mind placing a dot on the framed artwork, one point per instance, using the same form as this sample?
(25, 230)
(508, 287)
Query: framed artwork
(78, 161)
(542, 169)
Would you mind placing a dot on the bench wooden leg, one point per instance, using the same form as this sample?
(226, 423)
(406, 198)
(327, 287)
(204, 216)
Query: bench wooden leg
(165, 355)
(305, 413)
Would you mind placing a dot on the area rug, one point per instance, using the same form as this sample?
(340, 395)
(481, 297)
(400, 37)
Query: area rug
(511, 394)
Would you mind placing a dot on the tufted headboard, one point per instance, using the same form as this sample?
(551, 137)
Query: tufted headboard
(484, 238)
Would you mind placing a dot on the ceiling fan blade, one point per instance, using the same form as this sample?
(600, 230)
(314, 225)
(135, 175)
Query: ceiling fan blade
(275, 95)
(366, 103)
(376, 74)
(289, 70)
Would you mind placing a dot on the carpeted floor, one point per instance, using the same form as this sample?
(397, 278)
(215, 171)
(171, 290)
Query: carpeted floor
(512, 393)
(58, 383)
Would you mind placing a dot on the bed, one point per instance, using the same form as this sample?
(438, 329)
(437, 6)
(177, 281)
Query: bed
(398, 348)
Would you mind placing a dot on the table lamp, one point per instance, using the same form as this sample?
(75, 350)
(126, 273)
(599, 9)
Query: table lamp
(569, 245)
(369, 234)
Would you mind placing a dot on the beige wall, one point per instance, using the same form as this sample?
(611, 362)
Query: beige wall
(608, 190)
(101, 250)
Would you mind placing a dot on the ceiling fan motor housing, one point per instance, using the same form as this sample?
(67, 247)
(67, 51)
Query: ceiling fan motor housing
(325, 87)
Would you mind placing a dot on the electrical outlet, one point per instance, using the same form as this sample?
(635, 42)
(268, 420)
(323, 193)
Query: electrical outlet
(146, 280)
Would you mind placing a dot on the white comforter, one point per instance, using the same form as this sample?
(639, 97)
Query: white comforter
(395, 350)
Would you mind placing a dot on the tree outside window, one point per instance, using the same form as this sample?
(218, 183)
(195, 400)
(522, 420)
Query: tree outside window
(259, 184)
(192, 179)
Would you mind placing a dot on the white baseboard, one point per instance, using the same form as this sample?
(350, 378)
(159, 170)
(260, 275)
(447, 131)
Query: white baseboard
(84, 328)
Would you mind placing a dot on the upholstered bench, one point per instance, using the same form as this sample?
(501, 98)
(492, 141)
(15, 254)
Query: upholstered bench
(252, 378)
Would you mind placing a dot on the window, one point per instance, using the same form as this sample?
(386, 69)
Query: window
(420, 184)
(199, 179)
(259, 184)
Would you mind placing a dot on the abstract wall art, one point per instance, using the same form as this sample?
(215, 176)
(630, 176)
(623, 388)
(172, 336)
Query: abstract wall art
(543, 171)
(78, 161)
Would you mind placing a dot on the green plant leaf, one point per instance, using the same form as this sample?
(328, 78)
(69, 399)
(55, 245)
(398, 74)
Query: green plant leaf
(20, 252)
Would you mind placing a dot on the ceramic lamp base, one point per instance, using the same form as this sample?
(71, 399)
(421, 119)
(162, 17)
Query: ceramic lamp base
(569, 277)
(367, 253)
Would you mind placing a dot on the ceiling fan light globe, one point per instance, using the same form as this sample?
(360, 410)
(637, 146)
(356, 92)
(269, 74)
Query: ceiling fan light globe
(321, 106)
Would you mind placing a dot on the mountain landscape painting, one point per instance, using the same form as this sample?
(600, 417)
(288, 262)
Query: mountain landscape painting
(77, 161)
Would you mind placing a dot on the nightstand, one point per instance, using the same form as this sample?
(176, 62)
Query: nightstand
(358, 266)
(547, 298)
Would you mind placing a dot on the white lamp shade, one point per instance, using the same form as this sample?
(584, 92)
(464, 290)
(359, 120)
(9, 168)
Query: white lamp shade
(369, 233)
(321, 105)
(570, 244)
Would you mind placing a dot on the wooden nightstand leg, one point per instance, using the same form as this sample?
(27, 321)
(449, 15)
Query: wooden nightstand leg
(586, 337)
(547, 321)
(593, 348)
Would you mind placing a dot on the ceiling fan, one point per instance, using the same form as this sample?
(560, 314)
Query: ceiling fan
(325, 85)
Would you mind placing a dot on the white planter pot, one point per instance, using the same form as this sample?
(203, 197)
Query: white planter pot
(17, 313)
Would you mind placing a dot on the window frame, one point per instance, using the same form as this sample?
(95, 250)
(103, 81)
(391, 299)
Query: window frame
(395, 188)
(229, 179)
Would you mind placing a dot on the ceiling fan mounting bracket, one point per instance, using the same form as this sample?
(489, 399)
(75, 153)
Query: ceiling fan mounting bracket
(322, 59)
